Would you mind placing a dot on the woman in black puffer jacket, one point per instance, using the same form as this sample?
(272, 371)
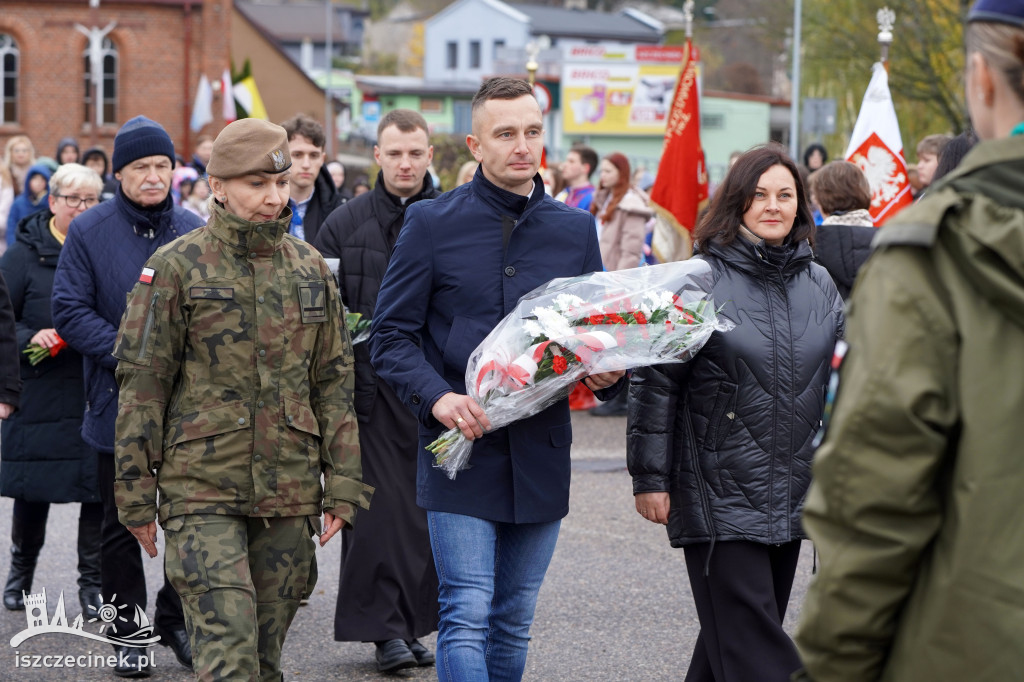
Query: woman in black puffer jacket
(720, 448)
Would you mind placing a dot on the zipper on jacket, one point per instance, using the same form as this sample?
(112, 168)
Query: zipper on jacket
(702, 488)
(148, 329)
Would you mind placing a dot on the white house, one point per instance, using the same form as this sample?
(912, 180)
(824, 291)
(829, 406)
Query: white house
(471, 39)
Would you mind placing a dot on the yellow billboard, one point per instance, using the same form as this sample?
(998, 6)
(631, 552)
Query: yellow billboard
(623, 90)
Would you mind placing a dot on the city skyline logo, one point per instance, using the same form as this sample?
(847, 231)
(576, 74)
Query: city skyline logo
(109, 614)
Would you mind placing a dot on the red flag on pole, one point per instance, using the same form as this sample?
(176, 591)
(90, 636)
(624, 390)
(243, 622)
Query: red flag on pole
(876, 146)
(681, 186)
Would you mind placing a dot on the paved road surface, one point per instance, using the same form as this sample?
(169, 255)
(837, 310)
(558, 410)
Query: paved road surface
(615, 605)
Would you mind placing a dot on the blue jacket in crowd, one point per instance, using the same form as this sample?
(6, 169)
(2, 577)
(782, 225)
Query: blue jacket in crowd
(449, 283)
(23, 205)
(102, 258)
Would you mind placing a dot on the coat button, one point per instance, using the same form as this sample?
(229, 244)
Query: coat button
(260, 299)
(256, 458)
(289, 419)
(263, 353)
(510, 271)
(255, 510)
(260, 404)
(252, 254)
(241, 420)
(415, 399)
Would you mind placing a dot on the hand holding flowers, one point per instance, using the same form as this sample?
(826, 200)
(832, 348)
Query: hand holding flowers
(569, 329)
(45, 344)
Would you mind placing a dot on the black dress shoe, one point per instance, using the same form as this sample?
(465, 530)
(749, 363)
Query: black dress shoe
(13, 601)
(178, 641)
(132, 662)
(394, 654)
(89, 598)
(423, 655)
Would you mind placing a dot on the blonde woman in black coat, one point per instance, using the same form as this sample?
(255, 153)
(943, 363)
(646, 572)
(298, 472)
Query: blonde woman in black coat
(44, 457)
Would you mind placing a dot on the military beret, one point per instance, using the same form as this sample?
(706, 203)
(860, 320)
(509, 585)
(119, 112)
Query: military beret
(998, 11)
(249, 145)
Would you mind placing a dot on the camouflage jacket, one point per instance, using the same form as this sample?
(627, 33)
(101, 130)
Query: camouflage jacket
(236, 381)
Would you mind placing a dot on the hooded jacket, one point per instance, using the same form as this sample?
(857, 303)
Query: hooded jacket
(362, 235)
(44, 456)
(915, 509)
(24, 205)
(729, 435)
(110, 183)
(64, 143)
(105, 250)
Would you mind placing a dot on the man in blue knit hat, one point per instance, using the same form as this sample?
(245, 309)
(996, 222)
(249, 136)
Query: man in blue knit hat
(102, 259)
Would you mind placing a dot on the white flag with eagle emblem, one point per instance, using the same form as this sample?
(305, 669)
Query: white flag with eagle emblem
(877, 148)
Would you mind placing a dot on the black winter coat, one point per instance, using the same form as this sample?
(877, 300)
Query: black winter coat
(10, 372)
(842, 249)
(729, 434)
(44, 456)
(362, 234)
(325, 199)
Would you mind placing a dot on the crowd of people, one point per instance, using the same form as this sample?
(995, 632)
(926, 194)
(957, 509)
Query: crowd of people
(174, 351)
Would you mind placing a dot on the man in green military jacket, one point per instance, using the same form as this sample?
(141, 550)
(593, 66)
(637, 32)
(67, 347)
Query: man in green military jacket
(236, 386)
(915, 507)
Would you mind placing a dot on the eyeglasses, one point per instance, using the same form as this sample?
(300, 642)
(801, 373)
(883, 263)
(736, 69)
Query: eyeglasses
(74, 201)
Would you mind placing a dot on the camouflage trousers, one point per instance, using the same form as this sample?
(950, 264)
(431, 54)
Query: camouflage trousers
(240, 580)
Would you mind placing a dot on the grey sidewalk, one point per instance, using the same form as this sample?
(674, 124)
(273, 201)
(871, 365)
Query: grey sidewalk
(615, 605)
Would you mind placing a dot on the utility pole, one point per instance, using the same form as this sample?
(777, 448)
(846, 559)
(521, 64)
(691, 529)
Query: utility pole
(794, 98)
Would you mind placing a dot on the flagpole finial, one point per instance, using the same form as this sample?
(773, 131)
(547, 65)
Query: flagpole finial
(886, 19)
(688, 17)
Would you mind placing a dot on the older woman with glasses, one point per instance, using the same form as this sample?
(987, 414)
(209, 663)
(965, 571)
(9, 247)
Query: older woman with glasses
(44, 457)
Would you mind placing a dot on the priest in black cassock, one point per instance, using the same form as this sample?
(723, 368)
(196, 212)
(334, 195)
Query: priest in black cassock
(388, 587)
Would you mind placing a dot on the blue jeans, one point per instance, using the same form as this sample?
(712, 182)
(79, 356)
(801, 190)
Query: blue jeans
(489, 575)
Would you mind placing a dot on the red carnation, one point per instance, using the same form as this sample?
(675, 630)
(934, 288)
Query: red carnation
(596, 319)
(640, 318)
(558, 363)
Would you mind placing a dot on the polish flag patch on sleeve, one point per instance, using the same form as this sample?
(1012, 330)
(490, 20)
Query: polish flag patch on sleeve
(147, 275)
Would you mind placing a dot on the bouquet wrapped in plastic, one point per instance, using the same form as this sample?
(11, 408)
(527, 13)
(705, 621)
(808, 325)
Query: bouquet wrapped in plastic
(570, 328)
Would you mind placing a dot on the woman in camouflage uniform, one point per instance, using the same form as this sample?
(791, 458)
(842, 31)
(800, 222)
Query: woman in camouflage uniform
(236, 389)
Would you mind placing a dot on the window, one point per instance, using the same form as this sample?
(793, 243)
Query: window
(431, 106)
(9, 84)
(712, 121)
(453, 55)
(474, 54)
(498, 44)
(108, 94)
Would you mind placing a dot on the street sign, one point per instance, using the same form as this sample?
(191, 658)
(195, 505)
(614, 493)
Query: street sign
(819, 116)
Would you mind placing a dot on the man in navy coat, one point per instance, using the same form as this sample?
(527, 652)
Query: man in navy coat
(461, 263)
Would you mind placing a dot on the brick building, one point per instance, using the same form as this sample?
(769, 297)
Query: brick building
(152, 58)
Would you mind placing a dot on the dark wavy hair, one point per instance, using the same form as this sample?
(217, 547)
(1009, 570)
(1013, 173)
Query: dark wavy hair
(736, 193)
